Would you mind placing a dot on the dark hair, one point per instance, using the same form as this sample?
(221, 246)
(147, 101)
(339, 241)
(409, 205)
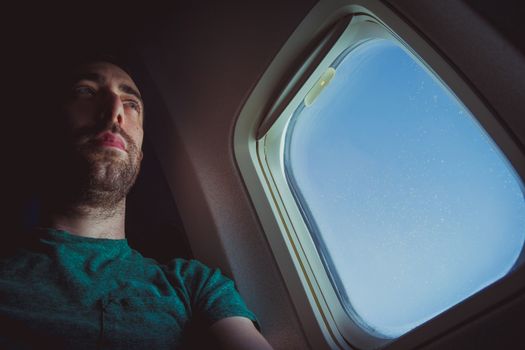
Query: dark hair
(119, 61)
(69, 64)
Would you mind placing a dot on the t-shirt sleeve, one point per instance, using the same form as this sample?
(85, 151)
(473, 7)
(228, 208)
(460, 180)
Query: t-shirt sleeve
(213, 296)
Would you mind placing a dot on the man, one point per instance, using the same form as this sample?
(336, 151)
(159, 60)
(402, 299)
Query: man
(76, 283)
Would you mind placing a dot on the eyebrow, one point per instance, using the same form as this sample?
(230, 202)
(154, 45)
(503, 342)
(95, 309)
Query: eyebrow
(100, 79)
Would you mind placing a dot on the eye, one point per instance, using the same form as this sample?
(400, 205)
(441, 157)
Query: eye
(133, 105)
(82, 90)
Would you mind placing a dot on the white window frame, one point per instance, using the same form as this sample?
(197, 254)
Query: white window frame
(323, 318)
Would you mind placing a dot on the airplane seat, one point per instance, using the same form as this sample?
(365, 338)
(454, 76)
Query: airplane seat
(153, 224)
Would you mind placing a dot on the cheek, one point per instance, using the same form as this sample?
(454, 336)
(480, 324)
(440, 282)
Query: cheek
(137, 134)
(79, 115)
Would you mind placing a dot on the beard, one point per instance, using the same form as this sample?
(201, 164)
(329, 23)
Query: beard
(95, 177)
(110, 174)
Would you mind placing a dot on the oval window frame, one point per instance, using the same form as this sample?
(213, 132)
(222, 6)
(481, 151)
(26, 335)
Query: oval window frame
(260, 162)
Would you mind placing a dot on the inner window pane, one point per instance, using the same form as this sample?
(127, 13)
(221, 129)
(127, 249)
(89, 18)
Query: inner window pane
(412, 206)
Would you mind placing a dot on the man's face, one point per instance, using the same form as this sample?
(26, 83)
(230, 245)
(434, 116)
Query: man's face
(104, 116)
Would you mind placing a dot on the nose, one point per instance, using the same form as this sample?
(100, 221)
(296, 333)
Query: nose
(113, 109)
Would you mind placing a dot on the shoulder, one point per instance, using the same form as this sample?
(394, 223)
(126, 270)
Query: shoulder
(194, 274)
(179, 271)
(213, 295)
(185, 266)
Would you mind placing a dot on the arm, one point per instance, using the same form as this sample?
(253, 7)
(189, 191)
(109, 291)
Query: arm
(238, 333)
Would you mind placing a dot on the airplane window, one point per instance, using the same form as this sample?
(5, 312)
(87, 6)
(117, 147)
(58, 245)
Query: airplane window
(411, 205)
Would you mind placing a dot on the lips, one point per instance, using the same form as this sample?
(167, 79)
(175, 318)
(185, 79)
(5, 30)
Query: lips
(108, 139)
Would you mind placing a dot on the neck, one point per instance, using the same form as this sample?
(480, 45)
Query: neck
(93, 222)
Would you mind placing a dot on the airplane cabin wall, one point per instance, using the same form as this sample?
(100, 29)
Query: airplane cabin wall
(204, 62)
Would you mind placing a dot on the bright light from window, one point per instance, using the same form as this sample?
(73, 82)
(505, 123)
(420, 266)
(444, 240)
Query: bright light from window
(412, 207)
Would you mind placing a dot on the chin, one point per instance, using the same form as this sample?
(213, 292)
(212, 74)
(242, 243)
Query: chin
(106, 154)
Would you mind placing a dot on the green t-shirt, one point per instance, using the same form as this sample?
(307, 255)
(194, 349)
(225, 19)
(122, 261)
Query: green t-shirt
(71, 292)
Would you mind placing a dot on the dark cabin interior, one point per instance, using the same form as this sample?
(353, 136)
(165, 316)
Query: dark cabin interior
(38, 42)
(38, 37)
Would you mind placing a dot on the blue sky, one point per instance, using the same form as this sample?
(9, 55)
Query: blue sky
(417, 207)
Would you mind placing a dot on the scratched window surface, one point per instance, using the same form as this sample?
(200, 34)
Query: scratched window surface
(412, 206)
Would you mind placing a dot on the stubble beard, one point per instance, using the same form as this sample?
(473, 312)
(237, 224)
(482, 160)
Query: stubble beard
(97, 178)
(110, 176)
